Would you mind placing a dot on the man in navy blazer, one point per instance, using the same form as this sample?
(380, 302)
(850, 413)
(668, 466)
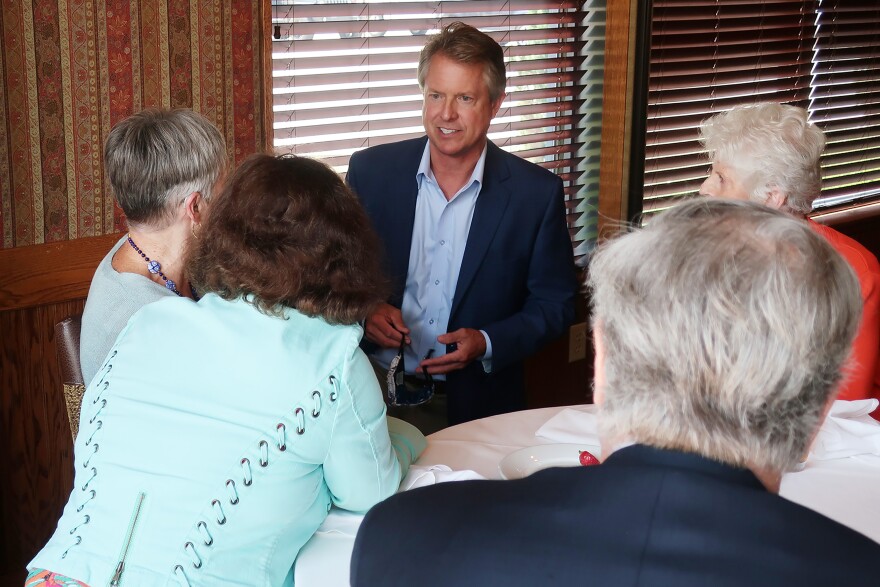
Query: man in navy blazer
(476, 243)
(720, 332)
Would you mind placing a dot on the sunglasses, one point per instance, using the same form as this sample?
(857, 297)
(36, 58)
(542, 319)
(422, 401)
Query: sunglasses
(402, 392)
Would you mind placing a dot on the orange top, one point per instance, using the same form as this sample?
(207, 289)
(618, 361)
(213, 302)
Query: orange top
(863, 379)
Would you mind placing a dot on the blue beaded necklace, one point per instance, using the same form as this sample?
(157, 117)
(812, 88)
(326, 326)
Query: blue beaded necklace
(155, 268)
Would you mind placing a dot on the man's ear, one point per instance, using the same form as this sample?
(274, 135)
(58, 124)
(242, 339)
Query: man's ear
(598, 366)
(776, 199)
(496, 106)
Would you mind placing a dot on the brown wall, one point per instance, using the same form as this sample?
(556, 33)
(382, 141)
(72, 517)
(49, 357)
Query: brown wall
(71, 70)
(39, 286)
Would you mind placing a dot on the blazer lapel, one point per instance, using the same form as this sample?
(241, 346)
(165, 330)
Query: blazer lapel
(400, 217)
(491, 204)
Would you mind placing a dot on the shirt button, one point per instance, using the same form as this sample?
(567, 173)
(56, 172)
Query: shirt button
(436, 282)
(442, 242)
(431, 321)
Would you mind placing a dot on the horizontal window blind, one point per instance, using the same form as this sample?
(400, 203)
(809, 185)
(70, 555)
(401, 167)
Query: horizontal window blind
(706, 57)
(845, 98)
(344, 78)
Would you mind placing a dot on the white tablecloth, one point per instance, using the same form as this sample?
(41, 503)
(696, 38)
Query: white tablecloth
(846, 490)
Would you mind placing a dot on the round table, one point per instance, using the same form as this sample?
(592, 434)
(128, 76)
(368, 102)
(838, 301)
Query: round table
(845, 490)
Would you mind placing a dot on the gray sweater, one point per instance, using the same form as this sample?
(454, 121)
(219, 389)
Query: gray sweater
(113, 298)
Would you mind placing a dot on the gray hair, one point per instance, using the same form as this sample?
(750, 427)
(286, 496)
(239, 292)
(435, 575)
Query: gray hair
(156, 158)
(463, 43)
(771, 146)
(725, 325)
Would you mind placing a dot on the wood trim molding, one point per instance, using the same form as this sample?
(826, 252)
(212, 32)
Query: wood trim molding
(616, 114)
(50, 273)
(858, 211)
(265, 43)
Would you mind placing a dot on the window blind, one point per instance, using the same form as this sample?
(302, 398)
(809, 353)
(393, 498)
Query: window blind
(708, 56)
(344, 78)
(845, 98)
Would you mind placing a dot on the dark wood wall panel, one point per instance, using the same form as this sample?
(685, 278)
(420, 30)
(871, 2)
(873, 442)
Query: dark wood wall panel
(36, 449)
(46, 274)
(551, 380)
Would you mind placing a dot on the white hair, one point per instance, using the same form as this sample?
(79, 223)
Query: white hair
(770, 146)
(725, 325)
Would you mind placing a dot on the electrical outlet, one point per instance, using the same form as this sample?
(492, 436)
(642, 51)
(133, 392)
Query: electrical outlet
(577, 342)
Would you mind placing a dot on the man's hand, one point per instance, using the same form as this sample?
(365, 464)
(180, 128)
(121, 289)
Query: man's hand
(385, 327)
(470, 345)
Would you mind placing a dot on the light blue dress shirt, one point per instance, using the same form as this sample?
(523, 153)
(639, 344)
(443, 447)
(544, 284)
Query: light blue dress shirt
(440, 233)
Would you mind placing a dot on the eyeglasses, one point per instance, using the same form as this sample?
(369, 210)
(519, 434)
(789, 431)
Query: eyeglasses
(407, 393)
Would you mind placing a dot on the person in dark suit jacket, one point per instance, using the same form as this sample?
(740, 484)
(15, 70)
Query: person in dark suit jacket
(476, 242)
(710, 386)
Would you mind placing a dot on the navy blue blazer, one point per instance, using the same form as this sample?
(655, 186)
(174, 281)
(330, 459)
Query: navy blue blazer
(646, 517)
(517, 280)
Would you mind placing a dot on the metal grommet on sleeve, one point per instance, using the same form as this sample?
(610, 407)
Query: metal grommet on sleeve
(281, 430)
(218, 510)
(335, 393)
(206, 534)
(190, 549)
(299, 413)
(233, 493)
(181, 575)
(316, 397)
(247, 474)
(264, 453)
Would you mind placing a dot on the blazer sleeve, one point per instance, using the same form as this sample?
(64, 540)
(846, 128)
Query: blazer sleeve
(551, 285)
(364, 464)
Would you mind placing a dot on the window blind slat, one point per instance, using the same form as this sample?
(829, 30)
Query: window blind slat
(344, 79)
(708, 56)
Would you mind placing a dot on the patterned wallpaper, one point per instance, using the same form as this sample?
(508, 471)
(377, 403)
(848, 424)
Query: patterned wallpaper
(71, 69)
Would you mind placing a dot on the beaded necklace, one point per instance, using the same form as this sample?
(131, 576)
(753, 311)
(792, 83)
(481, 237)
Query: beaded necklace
(155, 268)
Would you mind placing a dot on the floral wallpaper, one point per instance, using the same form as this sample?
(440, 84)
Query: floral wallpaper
(71, 69)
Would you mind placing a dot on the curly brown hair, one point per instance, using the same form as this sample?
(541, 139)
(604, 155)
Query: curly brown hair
(286, 231)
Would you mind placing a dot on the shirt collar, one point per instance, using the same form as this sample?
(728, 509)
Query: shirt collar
(424, 170)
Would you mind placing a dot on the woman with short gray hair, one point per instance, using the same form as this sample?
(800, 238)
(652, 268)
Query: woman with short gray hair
(163, 166)
(770, 153)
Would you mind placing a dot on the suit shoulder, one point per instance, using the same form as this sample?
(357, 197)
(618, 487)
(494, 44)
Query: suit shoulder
(523, 167)
(384, 151)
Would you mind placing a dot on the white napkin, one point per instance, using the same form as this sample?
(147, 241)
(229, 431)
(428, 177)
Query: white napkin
(424, 476)
(342, 522)
(571, 425)
(848, 431)
(346, 523)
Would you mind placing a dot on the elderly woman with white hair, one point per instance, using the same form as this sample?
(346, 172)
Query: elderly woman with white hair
(163, 166)
(769, 153)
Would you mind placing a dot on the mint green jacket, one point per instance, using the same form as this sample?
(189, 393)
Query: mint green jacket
(212, 443)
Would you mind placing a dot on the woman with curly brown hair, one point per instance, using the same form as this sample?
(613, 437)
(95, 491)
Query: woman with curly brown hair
(218, 434)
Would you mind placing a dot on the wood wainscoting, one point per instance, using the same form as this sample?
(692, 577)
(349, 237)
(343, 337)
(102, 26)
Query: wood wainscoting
(40, 285)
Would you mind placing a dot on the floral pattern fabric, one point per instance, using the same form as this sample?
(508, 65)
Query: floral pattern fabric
(71, 70)
(44, 578)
